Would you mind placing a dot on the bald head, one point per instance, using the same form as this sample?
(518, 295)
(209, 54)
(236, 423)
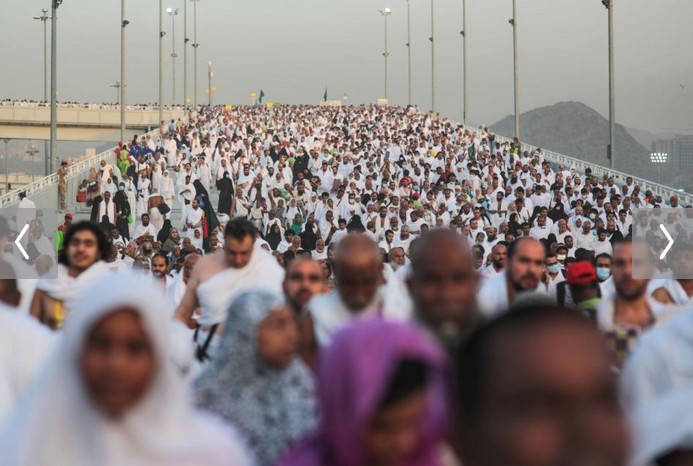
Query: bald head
(357, 249)
(443, 285)
(358, 269)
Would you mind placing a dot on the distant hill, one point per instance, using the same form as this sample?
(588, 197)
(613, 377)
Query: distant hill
(576, 130)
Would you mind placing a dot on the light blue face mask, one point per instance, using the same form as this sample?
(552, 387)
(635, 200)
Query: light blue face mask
(603, 273)
(555, 268)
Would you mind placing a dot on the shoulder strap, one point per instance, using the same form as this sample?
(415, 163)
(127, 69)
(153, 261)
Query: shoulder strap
(201, 351)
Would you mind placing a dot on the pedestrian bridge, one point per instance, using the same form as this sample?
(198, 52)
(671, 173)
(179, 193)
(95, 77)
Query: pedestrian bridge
(44, 192)
(81, 123)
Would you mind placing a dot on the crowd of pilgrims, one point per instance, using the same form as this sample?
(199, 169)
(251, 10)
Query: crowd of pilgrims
(346, 286)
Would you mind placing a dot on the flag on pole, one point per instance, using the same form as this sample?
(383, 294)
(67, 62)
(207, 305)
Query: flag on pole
(262, 96)
(324, 97)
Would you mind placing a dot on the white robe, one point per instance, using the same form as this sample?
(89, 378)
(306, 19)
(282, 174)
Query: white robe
(661, 362)
(162, 428)
(330, 314)
(68, 290)
(26, 345)
(216, 293)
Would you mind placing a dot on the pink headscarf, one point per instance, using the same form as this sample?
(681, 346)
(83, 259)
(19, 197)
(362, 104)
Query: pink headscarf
(354, 374)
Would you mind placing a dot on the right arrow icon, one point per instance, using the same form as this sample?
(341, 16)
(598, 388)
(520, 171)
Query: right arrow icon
(671, 242)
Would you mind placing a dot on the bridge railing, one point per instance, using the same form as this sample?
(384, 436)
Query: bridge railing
(44, 191)
(81, 116)
(597, 170)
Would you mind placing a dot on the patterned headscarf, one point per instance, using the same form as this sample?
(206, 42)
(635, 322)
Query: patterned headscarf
(271, 407)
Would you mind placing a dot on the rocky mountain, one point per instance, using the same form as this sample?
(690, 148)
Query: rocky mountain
(574, 129)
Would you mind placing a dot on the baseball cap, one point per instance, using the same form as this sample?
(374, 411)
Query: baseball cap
(580, 273)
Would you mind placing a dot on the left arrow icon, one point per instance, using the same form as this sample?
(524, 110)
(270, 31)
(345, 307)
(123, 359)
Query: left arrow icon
(19, 245)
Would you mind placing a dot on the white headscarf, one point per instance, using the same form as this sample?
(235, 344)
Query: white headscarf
(58, 424)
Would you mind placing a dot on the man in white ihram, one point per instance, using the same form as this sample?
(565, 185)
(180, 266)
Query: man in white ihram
(218, 278)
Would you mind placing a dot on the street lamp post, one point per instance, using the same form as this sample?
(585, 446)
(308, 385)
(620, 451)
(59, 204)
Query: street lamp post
(195, 45)
(173, 13)
(185, 56)
(433, 60)
(7, 172)
(385, 13)
(121, 88)
(116, 85)
(44, 19)
(464, 61)
(408, 53)
(162, 33)
(513, 23)
(31, 153)
(54, 83)
(611, 149)
(210, 75)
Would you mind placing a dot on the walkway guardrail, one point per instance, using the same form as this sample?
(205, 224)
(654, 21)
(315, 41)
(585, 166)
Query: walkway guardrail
(619, 177)
(44, 191)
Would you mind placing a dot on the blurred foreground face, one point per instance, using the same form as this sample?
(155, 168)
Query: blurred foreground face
(394, 433)
(627, 287)
(443, 286)
(303, 280)
(549, 399)
(83, 250)
(239, 251)
(117, 362)
(277, 338)
(526, 266)
(358, 271)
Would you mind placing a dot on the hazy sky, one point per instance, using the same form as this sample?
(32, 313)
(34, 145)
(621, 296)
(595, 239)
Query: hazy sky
(293, 49)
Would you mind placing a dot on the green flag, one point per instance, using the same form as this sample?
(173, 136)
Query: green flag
(324, 97)
(261, 96)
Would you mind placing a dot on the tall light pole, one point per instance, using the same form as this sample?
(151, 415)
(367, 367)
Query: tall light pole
(210, 75)
(513, 23)
(433, 60)
(7, 172)
(385, 13)
(116, 86)
(44, 19)
(31, 153)
(162, 33)
(408, 53)
(464, 61)
(173, 13)
(121, 88)
(185, 56)
(195, 45)
(611, 149)
(54, 83)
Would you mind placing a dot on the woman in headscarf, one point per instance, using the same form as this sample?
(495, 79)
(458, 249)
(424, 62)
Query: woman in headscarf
(210, 221)
(274, 236)
(123, 162)
(225, 187)
(115, 373)
(374, 376)
(514, 226)
(256, 381)
(165, 231)
(123, 211)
